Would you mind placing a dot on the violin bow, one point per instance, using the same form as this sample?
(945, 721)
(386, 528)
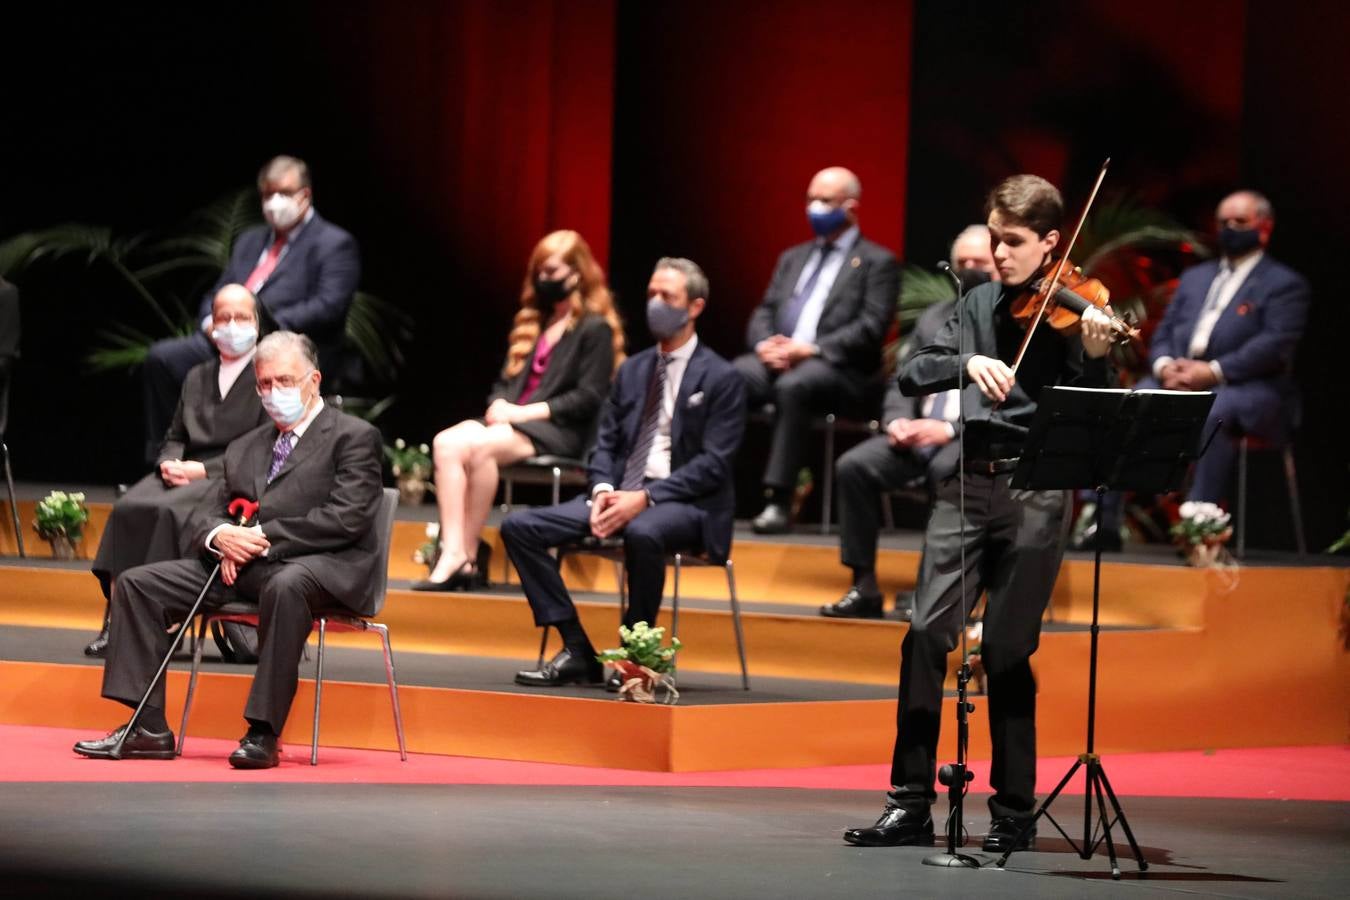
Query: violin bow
(1053, 287)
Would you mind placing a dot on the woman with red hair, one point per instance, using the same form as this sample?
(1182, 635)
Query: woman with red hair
(564, 346)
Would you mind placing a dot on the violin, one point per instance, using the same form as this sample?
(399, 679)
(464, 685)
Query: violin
(1062, 293)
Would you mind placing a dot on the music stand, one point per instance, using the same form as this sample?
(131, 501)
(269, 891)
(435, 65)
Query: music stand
(1106, 440)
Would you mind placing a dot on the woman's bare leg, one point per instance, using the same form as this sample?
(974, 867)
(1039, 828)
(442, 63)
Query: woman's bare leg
(450, 452)
(496, 446)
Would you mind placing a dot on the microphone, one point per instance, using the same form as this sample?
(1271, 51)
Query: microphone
(946, 267)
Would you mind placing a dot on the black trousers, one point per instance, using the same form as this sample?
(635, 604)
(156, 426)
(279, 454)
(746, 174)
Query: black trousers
(166, 365)
(148, 599)
(812, 387)
(861, 476)
(1014, 544)
(655, 532)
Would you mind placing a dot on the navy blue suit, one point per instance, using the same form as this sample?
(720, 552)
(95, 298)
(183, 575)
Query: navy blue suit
(1253, 342)
(309, 291)
(692, 508)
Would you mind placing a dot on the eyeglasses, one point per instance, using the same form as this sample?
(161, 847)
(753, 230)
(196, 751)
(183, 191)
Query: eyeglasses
(285, 382)
(226, 318)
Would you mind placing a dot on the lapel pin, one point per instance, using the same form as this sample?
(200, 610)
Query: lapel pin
(855, 262)
(1244, 309)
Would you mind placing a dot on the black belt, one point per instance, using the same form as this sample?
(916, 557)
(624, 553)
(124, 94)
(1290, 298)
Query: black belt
(991, 466)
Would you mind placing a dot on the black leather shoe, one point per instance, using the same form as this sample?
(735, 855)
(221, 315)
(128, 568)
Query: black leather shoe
(773, 519)
(256, 751)
(459, 580)
(1002, 836)
(1088, 540)
(565, 668)
(854, 605)
(904, 606)
(141, 744)
(896, 828)
(98, 647)
(614, 681)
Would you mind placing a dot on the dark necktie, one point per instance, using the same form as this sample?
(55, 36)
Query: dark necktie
(636, 466)
(788, 316)
(281, 450)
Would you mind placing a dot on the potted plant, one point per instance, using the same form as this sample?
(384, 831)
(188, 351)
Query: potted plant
(644, 664)
(60, 521)
(411, 468)
(430, 549)
(1200, 533)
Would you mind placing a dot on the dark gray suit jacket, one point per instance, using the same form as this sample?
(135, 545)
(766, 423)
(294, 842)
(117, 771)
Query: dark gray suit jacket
(320, 510)
(898, 406)
(204, 424)
(858, 310)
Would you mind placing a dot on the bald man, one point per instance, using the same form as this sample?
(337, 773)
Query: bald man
(1232, 328)
(815, 341)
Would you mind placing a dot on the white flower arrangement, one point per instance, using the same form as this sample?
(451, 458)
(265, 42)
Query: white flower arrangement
(426, 554)
(406, 459)
(1202, 523)
(61, 515)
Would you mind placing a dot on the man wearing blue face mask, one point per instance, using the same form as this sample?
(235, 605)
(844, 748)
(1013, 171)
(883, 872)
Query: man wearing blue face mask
(660, 475)
(303, 270)
(815, 340)
(218, 403)
(315, 473)
(1232, 328)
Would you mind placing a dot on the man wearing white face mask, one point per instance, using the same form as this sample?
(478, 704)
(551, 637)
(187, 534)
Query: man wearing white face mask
(815, 340)
(302, 268)
(218, 403)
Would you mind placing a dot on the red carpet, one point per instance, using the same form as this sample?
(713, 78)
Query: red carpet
(1283, 773)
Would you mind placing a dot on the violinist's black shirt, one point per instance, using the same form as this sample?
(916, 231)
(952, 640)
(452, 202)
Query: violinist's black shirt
(990, 330)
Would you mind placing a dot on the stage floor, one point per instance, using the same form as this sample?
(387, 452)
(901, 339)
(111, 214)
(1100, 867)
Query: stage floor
(478, 841)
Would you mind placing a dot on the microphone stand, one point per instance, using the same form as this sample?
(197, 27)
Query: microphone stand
(957, 776)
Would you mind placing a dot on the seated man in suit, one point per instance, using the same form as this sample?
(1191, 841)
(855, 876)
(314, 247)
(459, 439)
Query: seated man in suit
(919, 441)
(302, 268)
(1232, 328)
(316, 475)
(218, 403)
(815, 340)
(660, 474)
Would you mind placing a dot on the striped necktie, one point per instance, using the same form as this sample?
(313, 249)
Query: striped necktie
(281, 451)
(635, 468)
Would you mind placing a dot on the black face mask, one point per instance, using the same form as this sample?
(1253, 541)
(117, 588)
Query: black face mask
(972, 277)
(551, 291)
(1235, 242)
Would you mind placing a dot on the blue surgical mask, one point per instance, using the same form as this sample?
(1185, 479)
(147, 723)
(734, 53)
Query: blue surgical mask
(824, 218)
(284, 405)
(664, 320)
(235, 338)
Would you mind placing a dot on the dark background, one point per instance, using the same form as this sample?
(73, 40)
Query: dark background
(448, 137)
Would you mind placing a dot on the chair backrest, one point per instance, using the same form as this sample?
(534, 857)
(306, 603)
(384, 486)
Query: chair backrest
(384, 535)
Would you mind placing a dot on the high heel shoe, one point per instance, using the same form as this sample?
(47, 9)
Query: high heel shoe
(460, 579)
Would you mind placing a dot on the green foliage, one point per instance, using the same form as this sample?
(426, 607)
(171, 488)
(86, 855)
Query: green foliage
(378, 330)
(920, 289)
(642, 645)
(60, 514)
(1123, 223)
(408, 459)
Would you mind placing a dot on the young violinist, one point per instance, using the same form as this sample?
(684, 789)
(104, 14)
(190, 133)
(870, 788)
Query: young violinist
(1014, 540)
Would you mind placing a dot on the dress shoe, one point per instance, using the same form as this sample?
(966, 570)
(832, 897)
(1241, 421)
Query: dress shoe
(568, 667)
(773, 519)
(854, 605)
(98, 647)
(140, 744)
(256, 751)
(1003, 832)
(459, 580)
(904, 606)
(1090, 538)
(896, 828)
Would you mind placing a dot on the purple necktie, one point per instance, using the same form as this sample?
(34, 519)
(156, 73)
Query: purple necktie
(280, 451)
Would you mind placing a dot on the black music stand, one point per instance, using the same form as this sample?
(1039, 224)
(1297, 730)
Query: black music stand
(1106, 440)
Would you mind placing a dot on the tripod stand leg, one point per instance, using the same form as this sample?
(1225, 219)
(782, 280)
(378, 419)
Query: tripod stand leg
(1120, 817)
(1043, 811)
(1095, 791)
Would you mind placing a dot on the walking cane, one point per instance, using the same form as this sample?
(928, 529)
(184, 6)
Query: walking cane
(243, 510)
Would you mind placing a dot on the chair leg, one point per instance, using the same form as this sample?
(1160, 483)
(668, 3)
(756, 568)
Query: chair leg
(557, 485)
(506, 508)
(198, 642)
(827, 477)
(393, 686)
(13, 501)
(675, 611)
(318, 693)
(736, 624)
(543, 646)
(1295, 506)
(621, 579)
(1242, 500)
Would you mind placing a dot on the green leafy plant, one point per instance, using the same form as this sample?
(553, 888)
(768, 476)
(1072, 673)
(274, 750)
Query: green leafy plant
(642, 645)
(1201, 523)
(61, 515)
(408, 460)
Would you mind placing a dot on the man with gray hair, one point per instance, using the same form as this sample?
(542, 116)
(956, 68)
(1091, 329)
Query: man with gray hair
(815, 340)
(315, 473)
(660, 475)
(302, 268)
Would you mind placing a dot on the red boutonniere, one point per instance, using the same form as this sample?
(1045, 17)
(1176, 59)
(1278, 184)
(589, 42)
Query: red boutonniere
(1244, 308)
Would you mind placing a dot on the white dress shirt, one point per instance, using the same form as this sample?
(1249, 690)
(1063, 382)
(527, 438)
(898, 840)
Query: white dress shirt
(231, 369)
(808, 321)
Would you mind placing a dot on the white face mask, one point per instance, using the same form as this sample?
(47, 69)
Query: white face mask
(235, 338)
(286, 406)
(281, 211)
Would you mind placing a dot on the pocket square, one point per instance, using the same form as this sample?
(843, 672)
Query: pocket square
(694, 400)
